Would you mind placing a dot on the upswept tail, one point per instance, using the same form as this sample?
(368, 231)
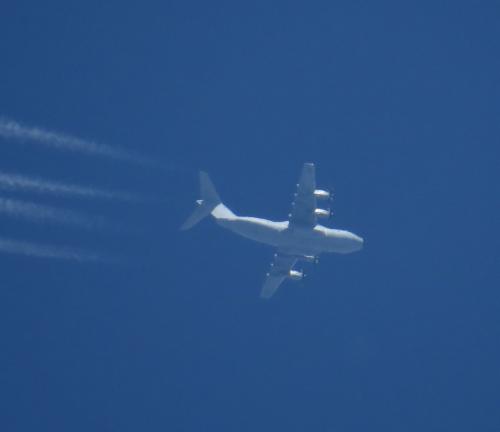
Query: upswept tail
(210, 203)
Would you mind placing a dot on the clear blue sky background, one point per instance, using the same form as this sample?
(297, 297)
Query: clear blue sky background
(398, 105)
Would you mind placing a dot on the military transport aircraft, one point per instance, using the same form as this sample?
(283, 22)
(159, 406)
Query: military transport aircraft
(300, 238)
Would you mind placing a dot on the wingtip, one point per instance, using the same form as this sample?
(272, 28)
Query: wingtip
(185, 226)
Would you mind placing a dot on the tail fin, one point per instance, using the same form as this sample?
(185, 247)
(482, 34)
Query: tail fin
(209, 200)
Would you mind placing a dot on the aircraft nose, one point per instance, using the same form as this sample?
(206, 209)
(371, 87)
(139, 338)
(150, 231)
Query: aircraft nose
(359, 242)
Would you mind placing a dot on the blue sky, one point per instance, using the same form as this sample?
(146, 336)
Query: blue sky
(396, 103)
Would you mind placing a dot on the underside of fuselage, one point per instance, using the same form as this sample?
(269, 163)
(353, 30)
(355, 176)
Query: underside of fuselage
(296, 240)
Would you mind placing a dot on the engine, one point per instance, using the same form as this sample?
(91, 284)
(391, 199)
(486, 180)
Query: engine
(322, 194)
(308, 258)
(295, 275)
(322, 213)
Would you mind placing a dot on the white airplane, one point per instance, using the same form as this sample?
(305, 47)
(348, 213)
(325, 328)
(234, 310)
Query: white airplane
(300, 238)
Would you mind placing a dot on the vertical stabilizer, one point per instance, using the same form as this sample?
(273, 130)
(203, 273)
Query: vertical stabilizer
(209, 200)
(207, 190)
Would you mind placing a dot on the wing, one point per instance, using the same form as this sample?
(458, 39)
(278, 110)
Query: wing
(304, 204)
(277, 274)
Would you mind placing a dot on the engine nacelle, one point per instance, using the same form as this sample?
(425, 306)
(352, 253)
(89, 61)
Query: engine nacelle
(322, 194)
(295, 275)
(308, 258)
(322, 213)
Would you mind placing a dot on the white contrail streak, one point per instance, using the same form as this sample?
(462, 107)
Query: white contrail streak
(11, 129)
(46, 214)
(46, 251)
(14, 182)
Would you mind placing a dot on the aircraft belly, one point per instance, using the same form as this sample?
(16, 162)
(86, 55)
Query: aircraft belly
(305, 242)
(262, 232)
(294, 241)
(301, 247)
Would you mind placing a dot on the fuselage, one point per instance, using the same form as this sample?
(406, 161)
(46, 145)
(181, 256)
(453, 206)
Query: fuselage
(291, 240)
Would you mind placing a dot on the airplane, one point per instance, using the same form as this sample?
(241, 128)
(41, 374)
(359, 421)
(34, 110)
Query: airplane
(300, 238)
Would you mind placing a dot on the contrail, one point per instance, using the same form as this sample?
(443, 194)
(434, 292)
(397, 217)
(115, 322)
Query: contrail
(47, 251)
(13, 182)
(46, 214)
(14, 130)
